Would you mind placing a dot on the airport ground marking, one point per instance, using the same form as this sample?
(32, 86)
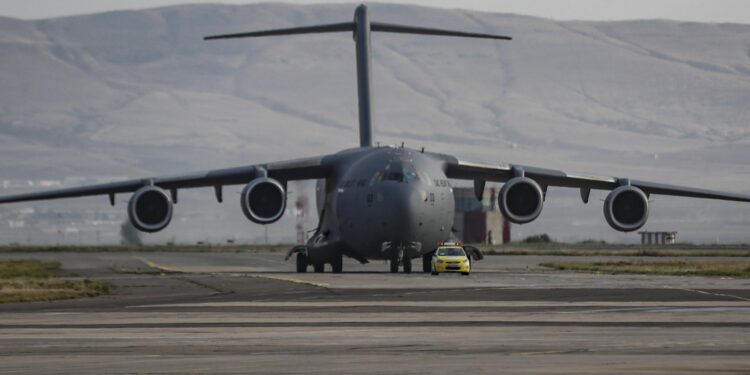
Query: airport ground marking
(291, 280)
(278, 278)
(712, 294)
(160, 267)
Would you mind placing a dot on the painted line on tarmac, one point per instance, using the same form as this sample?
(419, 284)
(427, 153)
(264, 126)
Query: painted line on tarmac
(712, 294)
(160, 267)
(292, 280)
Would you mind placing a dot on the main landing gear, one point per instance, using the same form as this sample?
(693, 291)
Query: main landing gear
(337, 264)
(301, 263)
(427, 263)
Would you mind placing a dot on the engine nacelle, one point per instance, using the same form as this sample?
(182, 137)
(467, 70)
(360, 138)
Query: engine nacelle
(521, 200)
(263, 200)
(150, 209)
(626, 209)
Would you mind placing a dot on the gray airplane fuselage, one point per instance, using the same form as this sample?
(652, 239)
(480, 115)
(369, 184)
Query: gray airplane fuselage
(382, 202)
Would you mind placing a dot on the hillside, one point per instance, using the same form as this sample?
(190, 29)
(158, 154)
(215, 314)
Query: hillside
(137, 93)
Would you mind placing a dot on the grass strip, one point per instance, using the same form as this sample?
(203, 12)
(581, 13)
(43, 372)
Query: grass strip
(622, 253)
(10, 269)
(683, 250)
(33, 280)
(678, 268)
(146, 248)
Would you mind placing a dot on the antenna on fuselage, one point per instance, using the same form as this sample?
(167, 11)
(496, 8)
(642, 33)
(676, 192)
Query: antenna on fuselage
(361, 27)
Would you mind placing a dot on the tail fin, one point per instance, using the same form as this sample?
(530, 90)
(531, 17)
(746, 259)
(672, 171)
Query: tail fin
(361, 27)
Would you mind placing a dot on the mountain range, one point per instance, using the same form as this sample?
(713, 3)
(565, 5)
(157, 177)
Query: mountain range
(138, 93)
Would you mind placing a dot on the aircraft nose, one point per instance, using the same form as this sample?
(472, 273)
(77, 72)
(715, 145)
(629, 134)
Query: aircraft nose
(399, 215)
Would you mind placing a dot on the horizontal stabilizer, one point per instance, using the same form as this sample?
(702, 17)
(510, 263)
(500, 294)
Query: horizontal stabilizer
(392, 28)
(361, 28)
(330, 28)
(350, 26)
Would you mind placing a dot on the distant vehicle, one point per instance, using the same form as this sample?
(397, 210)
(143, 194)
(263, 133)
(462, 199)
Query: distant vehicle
(378, 202)
(450, 258)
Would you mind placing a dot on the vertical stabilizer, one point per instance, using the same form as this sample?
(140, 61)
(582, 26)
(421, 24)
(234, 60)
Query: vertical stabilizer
(364, 74)
(362, 27)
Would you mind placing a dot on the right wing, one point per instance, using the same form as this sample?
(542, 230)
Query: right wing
(298, 169)
(459, 169)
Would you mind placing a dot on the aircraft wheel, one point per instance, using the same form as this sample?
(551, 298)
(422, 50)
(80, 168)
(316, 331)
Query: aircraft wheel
(337, 264)
(301, 263)
(319, 267)
(394, 266)
(427, 263)
(407, 265)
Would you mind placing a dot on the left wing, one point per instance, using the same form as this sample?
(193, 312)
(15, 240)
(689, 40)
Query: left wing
(298, 169)
(458, 169)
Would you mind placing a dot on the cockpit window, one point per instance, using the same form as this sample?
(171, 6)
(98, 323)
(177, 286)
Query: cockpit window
(395, 176)
(411, 176)
(399, 172)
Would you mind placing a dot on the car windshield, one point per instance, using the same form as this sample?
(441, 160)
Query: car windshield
(451, 252)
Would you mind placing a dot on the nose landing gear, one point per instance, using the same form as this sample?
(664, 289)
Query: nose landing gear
(398, 258)
(407, 264)
(395, 261)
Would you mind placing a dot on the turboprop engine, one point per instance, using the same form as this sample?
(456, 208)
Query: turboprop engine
(263, 200)
(626, 208)
(150, 209)
(521, 200)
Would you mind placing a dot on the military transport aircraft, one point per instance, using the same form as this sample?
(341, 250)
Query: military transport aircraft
(392, 203)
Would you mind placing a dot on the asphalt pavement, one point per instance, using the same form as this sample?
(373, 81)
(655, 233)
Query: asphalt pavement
(248, 313)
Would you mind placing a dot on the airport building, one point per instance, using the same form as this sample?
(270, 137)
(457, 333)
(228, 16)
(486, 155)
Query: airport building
(479, 221)
(658, 238)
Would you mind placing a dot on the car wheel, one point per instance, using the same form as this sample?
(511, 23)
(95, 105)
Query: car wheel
(319, 267)
(465, 273)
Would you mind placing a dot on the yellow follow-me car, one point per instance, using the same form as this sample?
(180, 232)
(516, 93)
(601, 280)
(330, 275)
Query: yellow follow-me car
(450, 258)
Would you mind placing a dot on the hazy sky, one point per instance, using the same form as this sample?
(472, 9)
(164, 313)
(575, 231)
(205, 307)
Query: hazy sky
(690, 10)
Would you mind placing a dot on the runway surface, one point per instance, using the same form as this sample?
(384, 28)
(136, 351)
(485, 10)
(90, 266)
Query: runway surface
(247, 313)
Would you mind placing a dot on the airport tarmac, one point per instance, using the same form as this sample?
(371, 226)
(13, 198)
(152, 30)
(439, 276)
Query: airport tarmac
(248, 313)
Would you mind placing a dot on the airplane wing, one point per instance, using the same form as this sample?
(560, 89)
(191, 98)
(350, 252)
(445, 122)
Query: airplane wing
(459, 169)
(298, 169)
